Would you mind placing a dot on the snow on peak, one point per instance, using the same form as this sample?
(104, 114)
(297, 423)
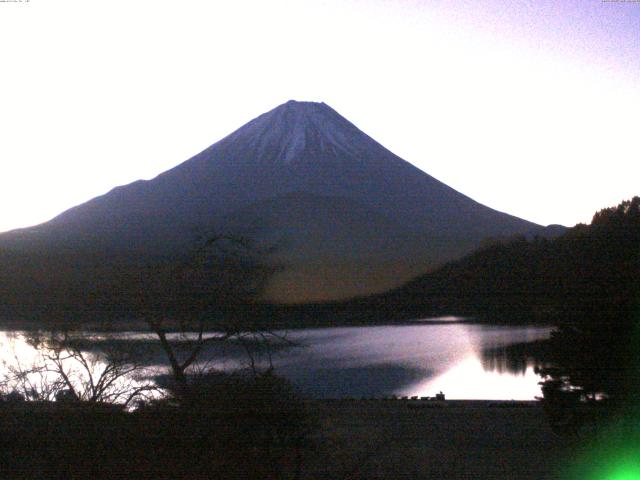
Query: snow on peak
(302, 104)
(294, 129)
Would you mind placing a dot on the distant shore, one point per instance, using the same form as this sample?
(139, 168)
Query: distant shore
(138, 325)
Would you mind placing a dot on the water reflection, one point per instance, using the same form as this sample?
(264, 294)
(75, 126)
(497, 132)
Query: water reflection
(469, 379)
(356, 382)
(463, 360)
(515, 359)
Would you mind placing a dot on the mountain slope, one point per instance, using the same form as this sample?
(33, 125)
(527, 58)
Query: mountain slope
(349, 217)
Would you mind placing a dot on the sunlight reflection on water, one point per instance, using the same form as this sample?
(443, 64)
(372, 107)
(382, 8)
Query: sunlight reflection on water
(469, 380)
(419, 359)
(416, 359)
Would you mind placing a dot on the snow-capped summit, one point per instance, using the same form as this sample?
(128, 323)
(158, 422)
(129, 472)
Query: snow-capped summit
(292, 131)
(348, 216)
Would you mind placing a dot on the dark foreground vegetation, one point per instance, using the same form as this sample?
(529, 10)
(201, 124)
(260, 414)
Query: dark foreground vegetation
(234, 427)
(346, 440)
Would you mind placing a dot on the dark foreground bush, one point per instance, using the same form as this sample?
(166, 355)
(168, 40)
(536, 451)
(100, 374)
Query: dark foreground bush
(242, 428)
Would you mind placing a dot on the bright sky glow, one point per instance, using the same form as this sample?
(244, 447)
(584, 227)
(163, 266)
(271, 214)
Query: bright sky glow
(530, 107)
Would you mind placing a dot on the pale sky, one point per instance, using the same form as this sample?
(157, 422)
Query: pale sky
(528, 106)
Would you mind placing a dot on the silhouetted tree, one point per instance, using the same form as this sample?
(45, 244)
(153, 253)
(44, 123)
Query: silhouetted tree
(63, 370)
(202, 298)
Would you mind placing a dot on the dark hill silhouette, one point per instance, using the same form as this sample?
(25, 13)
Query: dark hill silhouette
(588, 273)
(347, 216)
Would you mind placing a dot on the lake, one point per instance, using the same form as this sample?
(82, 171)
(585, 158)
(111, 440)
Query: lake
(463, 360)
(411, 360)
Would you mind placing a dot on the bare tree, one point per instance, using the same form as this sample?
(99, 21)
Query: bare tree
(28, 381)
(64, 369)
(195, 302)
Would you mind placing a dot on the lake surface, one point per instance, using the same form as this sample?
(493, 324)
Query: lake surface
(408, 360)
(463, 360)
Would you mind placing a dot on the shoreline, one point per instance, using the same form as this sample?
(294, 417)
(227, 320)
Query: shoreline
(448, 403)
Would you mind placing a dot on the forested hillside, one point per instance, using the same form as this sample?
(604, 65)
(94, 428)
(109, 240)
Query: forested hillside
(590, 268)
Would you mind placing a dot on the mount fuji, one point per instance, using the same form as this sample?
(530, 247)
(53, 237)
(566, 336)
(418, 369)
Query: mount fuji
(347, 217)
